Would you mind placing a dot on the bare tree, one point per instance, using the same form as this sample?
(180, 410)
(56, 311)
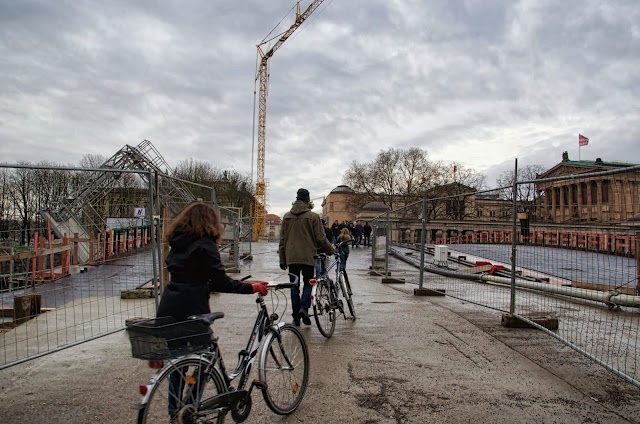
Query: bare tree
(526, 192)
(394, 176)
(22, 185)
(233, 189)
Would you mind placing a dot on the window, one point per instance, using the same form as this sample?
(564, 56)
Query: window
(479, 212)
(331, 206)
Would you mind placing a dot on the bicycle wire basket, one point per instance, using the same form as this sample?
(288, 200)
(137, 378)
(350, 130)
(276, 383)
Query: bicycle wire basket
(164, 338)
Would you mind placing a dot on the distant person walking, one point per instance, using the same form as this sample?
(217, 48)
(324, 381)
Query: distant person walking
(367, 233)
(335, 230)
(344, 247)
(301, 234)
(356, 233)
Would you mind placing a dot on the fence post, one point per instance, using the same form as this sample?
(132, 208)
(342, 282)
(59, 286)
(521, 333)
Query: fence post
(386, 248)
(11, 264)
(422, 240)
(50, 243)
(153, 240)
(638, 264)
(166, 220)
(512, 306)
(33, 261)
(373, 243)
(65, 256)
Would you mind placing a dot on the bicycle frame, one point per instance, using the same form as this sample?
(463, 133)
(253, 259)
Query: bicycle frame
(324, 272)
(264, 324)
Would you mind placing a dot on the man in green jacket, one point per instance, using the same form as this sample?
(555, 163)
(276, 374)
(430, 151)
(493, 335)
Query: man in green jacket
(301, 235)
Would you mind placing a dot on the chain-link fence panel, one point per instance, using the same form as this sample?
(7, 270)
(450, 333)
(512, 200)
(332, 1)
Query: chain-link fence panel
(76, 259)
(559, 253)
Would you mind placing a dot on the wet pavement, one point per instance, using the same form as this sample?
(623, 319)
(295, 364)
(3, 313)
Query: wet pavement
(406, 359)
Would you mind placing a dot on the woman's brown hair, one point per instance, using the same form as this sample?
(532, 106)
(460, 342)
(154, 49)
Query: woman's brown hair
(199, 219)
(344, 235)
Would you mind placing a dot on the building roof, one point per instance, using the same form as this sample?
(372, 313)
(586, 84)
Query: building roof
(568, 166)
(273, 219)
(342, 189)
(375, 207)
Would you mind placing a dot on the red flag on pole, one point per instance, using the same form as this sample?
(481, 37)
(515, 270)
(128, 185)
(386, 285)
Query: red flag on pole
(582, 140)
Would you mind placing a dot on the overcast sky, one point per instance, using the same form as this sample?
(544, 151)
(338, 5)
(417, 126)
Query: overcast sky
(479, 82)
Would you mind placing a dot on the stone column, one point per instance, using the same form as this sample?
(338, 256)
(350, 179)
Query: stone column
(552, 190)
(580, 200)
(570, 204)
(563, 204)
(599, 200)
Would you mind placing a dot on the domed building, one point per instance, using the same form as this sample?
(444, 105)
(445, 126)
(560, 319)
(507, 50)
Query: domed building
(338, 205)
(371, 210)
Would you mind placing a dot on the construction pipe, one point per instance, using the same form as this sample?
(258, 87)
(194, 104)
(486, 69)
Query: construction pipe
(611, 298)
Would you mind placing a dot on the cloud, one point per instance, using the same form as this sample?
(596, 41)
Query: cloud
(480, 83)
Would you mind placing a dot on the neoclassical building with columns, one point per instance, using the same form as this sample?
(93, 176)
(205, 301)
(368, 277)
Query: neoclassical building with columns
(582, 198)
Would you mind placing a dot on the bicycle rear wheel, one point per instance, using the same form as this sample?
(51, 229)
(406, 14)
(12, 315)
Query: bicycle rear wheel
(323, 313)
(346, 292)
(177, 390)
(284, 369)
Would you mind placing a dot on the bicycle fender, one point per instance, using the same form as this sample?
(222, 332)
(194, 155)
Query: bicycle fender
(278, 326)
(314, 289)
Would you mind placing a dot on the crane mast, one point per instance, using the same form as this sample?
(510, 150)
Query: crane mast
(262, 78)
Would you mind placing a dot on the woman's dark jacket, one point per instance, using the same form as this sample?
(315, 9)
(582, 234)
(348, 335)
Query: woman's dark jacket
(196, 270)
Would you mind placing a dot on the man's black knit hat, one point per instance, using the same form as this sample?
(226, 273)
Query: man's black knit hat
(303, 194)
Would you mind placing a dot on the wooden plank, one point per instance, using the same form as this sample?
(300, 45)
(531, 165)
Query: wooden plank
(475, 269)
(602, 287)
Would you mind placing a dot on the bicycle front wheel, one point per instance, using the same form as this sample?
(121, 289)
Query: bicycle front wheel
(323, 313)
(178, 389)
(346, 292)
(284, 369)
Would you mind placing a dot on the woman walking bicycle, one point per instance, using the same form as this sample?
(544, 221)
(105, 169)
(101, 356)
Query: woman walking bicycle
(196, 271)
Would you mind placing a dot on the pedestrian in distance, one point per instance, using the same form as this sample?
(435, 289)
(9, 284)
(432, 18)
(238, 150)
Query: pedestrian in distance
(355, 234)
(335, 230)
(367, 233)
(301, 234)
(360, 231)
(344, 247)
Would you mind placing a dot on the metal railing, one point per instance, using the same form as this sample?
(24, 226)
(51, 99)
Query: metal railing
(65, 281)
(563, 258)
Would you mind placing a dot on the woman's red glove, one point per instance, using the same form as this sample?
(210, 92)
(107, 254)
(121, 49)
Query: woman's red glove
(260, 287)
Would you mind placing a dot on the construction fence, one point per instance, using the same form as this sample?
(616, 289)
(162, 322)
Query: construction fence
(560, 254)
(82, 250)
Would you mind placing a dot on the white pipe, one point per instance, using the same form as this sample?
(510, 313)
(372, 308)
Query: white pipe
(608, 297)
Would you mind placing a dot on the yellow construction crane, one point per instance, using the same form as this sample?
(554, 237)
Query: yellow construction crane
(262, 78)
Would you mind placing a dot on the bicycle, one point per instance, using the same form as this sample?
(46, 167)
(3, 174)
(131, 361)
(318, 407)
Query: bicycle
(191, 385)
(325, 294)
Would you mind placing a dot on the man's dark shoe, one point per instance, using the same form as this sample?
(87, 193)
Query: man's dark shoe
(305, 317)
(296, 323)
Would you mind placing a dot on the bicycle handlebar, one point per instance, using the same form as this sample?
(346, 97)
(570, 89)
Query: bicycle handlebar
(279, 286)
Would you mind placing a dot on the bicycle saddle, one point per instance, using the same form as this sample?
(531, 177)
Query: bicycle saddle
(208, 318)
